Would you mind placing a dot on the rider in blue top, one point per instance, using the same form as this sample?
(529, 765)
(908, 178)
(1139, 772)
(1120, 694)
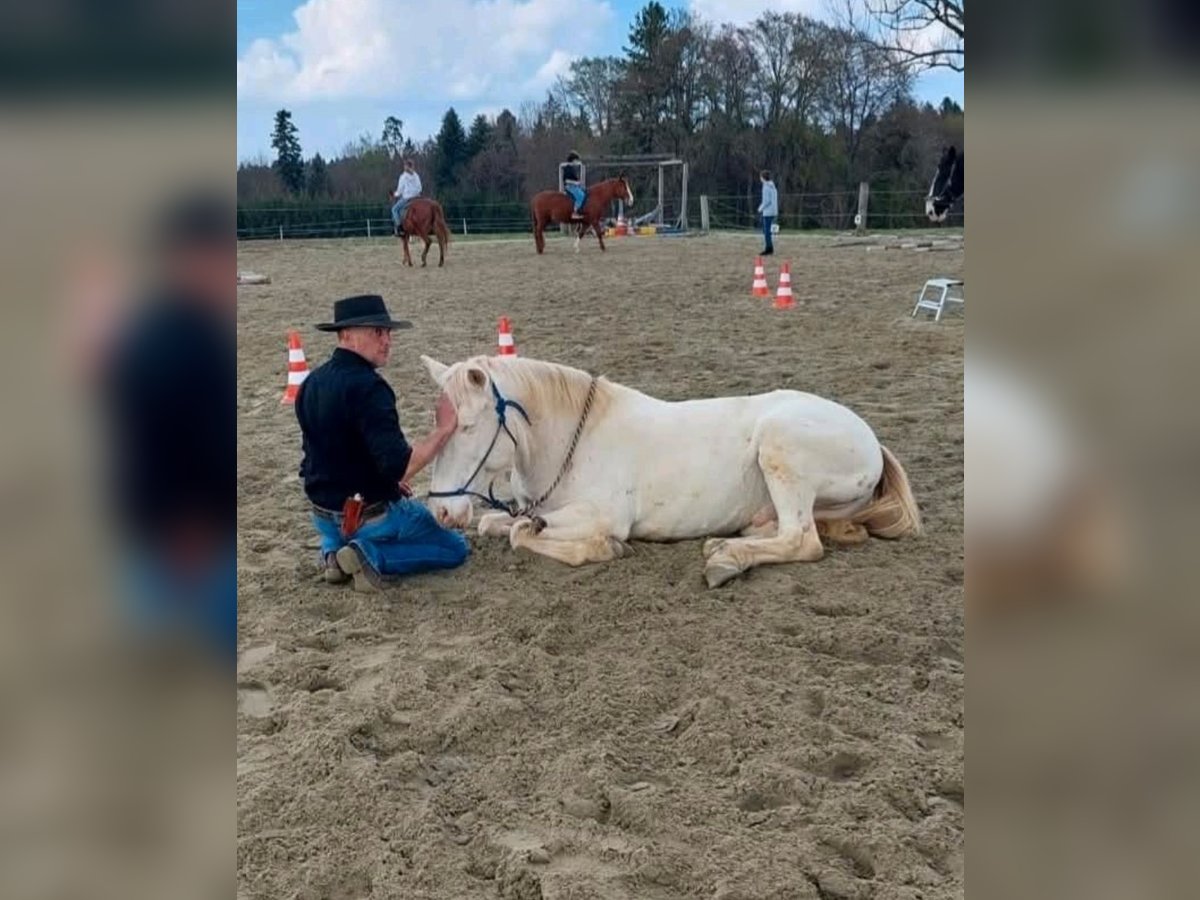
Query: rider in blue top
(573, 182)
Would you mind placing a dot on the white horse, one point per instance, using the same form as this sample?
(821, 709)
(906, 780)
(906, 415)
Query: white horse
(594, 464)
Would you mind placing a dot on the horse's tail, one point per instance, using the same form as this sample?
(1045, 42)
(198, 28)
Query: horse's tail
(893, 511)
(439, 224)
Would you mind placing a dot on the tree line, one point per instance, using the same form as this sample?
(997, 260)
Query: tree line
(823, 106)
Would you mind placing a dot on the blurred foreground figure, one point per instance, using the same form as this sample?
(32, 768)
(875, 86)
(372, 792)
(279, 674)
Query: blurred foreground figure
(169, 383)
(1042, 520)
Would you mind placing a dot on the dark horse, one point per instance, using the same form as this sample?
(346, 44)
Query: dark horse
(421, 217)
(555, 207)
(947, 185)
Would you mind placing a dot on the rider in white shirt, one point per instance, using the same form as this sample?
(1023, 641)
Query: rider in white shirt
(407, 187)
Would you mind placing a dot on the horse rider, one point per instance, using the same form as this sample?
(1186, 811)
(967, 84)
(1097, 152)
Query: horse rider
(573, 183)
(408, 187)
(357, 462)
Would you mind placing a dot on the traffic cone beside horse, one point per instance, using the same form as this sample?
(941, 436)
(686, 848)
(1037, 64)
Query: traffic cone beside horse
(556, 207)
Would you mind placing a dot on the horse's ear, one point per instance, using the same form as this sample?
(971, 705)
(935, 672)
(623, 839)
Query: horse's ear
(621, 175)
(476, 377)
(437, 371)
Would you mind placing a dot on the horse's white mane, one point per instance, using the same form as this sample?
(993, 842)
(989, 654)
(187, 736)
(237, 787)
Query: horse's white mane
(544, 388)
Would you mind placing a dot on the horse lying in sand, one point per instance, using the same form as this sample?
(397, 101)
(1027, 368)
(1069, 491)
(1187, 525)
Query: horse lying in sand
(595, 464)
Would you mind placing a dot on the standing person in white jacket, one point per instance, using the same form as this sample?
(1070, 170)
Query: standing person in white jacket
(768, 209)
(407, 187)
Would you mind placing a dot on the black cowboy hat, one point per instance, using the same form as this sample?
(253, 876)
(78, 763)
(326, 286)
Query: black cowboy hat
(362, 311)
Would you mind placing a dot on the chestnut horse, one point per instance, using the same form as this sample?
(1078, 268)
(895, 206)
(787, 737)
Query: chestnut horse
(554, 207)
(421, 217)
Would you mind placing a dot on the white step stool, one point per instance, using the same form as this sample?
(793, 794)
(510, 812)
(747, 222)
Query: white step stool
(938, 305)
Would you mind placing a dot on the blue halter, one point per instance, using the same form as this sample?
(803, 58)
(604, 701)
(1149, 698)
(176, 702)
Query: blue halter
(502, 405)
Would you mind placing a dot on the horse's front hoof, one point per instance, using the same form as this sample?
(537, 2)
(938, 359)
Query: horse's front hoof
(521, 529)
(718, 573)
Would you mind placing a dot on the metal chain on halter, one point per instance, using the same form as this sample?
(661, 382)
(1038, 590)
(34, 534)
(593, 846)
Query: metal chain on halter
(583, 417)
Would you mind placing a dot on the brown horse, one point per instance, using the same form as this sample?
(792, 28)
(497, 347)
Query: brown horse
(421, 217)
(555, 207)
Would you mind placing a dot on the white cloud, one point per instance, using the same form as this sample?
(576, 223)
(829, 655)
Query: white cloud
(559, 63)
(459, 49)
(743, 12)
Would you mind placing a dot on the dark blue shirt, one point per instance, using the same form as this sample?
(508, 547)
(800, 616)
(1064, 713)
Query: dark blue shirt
(571, 172)
(171, 395)
(352, 438)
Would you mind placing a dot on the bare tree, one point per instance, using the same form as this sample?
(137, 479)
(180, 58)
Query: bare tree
(863, 81)
(730, 69)
(591, 87)
(773, 35)
(925, 34)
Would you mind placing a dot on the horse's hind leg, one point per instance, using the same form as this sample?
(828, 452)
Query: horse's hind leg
(796, 538)
(762, 524)
(574, 535)
(404, 242)
(425, 252)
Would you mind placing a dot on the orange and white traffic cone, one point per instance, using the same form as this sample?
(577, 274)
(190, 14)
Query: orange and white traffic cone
(759, 288)
(507, 346)
(783, 295)
(297, 368)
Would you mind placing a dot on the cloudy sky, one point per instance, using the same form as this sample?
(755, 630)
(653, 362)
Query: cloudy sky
(343, 66)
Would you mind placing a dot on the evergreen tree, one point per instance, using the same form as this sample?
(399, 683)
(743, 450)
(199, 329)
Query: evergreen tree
(393, 136)
(950, 108)
(289, 162)
(481, 134)
(318, 177)
(648, 34)
(451, 149)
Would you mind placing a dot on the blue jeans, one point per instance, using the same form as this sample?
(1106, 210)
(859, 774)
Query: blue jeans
(577, 193)
(768, 221)
(398, 210)
(160, 599)
(405, 540)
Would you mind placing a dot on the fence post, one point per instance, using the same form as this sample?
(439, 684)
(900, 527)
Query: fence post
(684, 215)
(704, 213)
(661, 179)
(281, 232)
(464, 227)
(860, 220)
(368, 228)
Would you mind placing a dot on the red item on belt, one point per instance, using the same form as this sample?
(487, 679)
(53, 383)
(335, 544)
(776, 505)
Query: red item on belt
(352, 515)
